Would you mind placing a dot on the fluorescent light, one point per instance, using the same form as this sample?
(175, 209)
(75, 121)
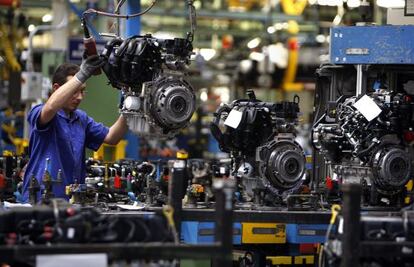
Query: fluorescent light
(31, 27)
(271, 29)
(254, 43)
(330, 2)
(353, 3)
(47, 18)
(391, 4)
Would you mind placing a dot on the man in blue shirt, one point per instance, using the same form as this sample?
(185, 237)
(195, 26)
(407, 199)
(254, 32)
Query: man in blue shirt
(61, 132)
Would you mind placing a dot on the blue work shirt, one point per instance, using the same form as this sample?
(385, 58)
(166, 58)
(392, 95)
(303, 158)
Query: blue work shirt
(63, 140)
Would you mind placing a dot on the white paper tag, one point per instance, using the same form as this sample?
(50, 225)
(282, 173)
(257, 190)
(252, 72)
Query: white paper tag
(71, 233)
(234, 118)
(70, 260)
(368, 108)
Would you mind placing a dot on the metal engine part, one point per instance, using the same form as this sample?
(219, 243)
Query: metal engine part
(164, 107)
(391, 167)
(281, 164)
(157, 101)
(267, 160)
(374, 150)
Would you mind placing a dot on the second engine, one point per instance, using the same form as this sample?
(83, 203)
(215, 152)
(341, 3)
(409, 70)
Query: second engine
(260, 137)
(366, 140)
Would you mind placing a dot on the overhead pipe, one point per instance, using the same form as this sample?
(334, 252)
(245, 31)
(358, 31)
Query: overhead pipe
(63, 23)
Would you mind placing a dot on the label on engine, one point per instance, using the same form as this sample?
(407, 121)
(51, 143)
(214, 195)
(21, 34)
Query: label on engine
(233, 119)
(368, 108)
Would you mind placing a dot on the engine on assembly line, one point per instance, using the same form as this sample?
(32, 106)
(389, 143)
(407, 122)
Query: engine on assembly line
(366, 140)
(260, 137)
(156, 100)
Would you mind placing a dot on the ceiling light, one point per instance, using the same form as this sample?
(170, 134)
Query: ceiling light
(330, 2)
(47, 18)
(271, 29)
(353, 3)
(254, 43)
(391, 4)
(31, 27)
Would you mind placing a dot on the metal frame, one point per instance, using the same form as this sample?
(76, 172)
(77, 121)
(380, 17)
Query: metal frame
(353, 248)
(219, 252)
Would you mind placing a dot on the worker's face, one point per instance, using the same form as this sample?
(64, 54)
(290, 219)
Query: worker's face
(73, 103)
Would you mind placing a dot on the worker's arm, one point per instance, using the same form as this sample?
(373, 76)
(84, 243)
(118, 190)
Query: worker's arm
(57, 100)
(64, 93)
(116, 132)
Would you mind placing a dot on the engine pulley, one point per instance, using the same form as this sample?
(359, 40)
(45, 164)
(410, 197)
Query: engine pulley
(172, 103)
(391, 167)
(282, 164)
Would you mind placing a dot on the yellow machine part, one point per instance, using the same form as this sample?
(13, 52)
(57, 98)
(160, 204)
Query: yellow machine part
(244, 4)
(307, 259)
(21, 145)
(8, 49)
(111, 153)
(182, 154)
(293, 7)
(263, 233)
(289, 83)
(409, 187)
(292, 260)
(280, 260)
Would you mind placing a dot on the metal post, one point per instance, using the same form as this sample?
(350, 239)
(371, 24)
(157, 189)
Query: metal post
(359, 80)
(133, 25)
(60, 38)
(224, 219)
(176, 192)
(351, 236)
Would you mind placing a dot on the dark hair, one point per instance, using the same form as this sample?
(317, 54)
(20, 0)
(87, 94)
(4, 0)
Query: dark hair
(63, 71)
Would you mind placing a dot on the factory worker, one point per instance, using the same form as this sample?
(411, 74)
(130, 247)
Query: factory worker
(61, 132)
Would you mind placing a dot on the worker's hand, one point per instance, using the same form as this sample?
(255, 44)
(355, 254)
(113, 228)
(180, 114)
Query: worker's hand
(88, 67)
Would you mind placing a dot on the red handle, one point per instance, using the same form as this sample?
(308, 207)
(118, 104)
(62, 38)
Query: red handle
(90, 47)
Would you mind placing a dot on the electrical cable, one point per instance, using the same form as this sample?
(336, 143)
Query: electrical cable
(107, 14)
(118, 6)
(334, 211)
(168, 212)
